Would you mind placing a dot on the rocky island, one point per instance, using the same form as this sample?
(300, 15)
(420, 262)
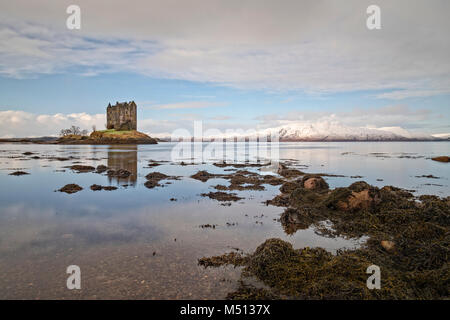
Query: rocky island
(109, 137)
(121, 128)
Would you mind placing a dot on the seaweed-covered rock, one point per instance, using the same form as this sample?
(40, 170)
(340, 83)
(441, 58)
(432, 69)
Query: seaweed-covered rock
(156, 176)
(281, 200)
(361, 186)
(356, 201)
(70, 188)
(267, 254)
(150, 184)
(295, 219)
(314, 182)
(272, 180)
(101, 168)
(120, 173)
(286, 172)
(82, 168)
(203, 176)
(300, 197)
(308, 273)
(288, 187)
(408, 238)
(96, 187)
(222, 196)
(337, 198)
(356, 197)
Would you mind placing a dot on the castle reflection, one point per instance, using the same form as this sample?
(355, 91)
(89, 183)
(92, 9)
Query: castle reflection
(123, 157)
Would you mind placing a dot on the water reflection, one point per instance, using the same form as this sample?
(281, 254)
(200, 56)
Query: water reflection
(123, 157)
(126, 236)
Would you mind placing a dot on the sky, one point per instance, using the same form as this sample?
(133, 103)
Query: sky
(231, 64)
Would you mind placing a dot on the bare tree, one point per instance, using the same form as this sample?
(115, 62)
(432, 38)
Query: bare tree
(73, 130)
(64, 132)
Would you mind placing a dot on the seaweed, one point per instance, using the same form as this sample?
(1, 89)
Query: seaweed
(204, 176)
(153, 179)
(286, 172)
(222, 196)
(120, 173)
(249, 292)
(232, 258)
(82, 168)
(408, 238)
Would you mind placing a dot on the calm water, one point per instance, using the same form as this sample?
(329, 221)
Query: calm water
(124, 240)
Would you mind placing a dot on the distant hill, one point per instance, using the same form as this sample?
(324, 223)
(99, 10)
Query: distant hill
(30, 140)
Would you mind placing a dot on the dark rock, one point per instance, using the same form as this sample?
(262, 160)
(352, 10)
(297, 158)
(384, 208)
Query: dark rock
(101, 168)
(18, 173)
(70, 188)
(120, 173)
(81, 168)
(156, 176)
(204, 176)
(441, 159)
(222, 196)
(96, 187)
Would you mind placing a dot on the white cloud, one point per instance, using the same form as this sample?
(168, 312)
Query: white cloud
(24, 124)
(316, 47)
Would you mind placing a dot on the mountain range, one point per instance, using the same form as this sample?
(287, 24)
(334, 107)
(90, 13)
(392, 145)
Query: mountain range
(328, 131)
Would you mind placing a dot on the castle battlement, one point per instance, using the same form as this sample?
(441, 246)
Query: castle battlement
(122, 116)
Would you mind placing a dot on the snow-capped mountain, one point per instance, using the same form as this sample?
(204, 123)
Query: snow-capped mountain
(442, 136)
(330, 131)
(319, 131)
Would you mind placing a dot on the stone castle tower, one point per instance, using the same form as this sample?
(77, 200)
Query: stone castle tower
(121, 116)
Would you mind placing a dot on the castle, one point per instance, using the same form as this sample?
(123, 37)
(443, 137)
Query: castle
(121, 116)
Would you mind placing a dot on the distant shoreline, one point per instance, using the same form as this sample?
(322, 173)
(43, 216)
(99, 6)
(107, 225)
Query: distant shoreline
(54, 140)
